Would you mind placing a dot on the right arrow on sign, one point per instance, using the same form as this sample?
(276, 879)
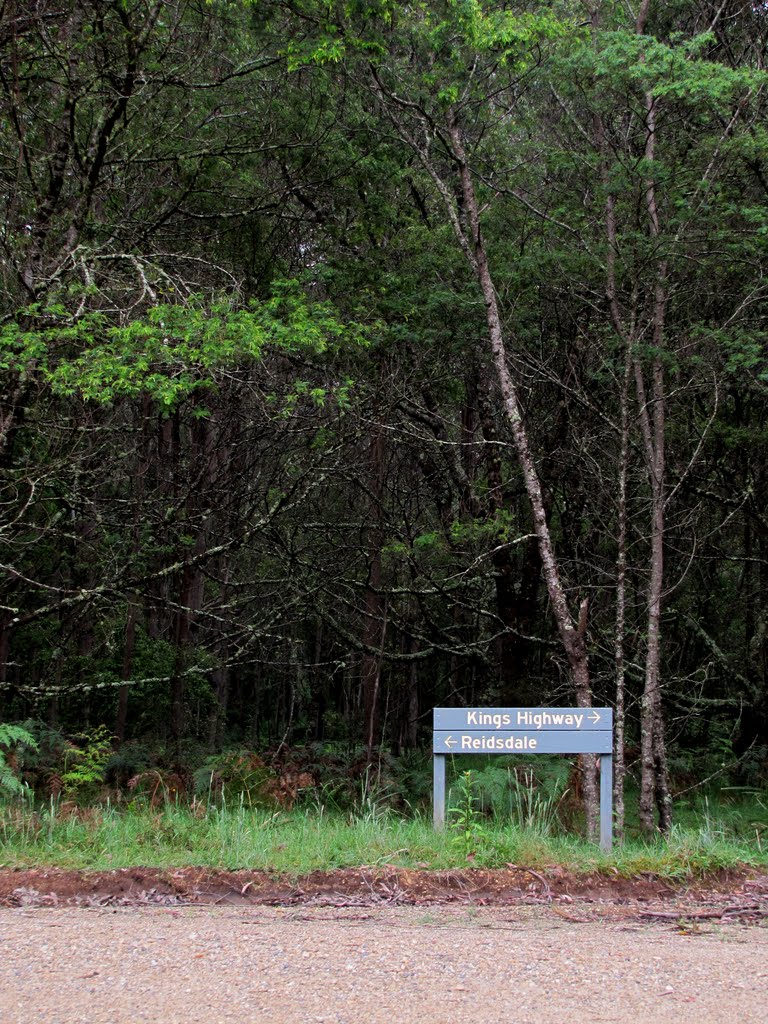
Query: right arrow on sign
(594, 717)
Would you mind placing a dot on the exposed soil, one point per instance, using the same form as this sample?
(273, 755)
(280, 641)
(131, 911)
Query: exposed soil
(378, 945)
(730, 895)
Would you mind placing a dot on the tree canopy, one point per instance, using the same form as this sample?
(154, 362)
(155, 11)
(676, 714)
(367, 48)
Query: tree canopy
(362, 357)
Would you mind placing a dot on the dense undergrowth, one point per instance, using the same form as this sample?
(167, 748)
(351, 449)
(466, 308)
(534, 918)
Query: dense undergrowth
(304, 840)
(78, 803)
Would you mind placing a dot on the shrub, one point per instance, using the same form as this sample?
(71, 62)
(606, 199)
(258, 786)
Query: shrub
(12, 737)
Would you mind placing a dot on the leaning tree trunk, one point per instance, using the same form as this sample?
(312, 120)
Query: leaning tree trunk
(464, 216)
(572, 633)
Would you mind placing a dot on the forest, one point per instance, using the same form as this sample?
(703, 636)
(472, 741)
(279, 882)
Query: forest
(364, 357)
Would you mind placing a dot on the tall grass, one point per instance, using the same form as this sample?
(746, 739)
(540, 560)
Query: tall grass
(300, 841)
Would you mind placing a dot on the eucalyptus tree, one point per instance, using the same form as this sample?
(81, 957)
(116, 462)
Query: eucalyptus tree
(447, 78)
(522, 340)
(640, 125)
(143, 149)
(619, 138)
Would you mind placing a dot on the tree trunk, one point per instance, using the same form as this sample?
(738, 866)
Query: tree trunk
(126, 671)
(374, 611)
(408, 713)
(5, 651)
(654, 784)
(654, 777)
(619, 764)
(572, 634)
(180, 662)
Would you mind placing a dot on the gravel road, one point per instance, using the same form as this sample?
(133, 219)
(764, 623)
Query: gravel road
(526, 965)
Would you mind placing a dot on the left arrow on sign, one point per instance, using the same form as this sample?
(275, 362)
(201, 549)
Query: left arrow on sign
(450, 742)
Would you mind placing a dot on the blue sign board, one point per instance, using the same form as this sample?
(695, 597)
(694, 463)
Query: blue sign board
(504, 741)
(557, 719)
(526, 731)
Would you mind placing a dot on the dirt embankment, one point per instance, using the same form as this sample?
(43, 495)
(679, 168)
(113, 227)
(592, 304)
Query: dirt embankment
(742, 896)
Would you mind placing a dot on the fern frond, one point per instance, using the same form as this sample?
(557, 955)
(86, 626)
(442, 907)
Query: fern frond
(10, 736)
(9, 784)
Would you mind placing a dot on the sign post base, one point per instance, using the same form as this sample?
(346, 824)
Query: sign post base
(438, 792)
(606, 802)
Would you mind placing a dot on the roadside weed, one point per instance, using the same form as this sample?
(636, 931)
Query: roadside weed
(464, 816)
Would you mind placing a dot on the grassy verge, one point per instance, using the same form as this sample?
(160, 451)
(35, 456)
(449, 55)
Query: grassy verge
(297, 842)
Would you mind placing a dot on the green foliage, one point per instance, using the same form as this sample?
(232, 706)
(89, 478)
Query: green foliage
(533, 808)
(668, 70)
(373, 801)
(13, 738)
(760, 823)
(42, 759)
(85, 763)
(294, 163)
(129, 760)
(527, 796)
(173, 350)
(465, 816)
(236, 776)
(501, 527)
(447, 36)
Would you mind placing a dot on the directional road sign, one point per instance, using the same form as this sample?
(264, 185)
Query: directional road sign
(526, 719)
(504, 741)
(525, 731)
